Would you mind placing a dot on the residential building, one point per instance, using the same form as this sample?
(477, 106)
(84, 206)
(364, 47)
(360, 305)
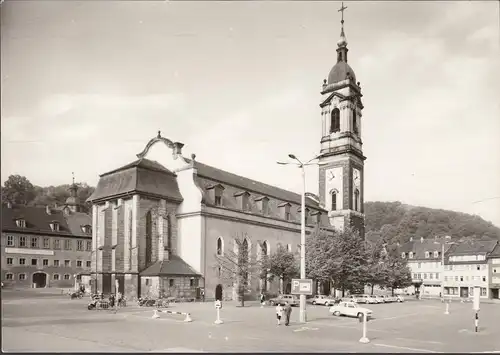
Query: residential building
(160, 223)
(494, 277)
(45, 247)
(424, 258)
(466, 266)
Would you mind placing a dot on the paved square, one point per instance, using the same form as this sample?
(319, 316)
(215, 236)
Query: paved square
(58, 324)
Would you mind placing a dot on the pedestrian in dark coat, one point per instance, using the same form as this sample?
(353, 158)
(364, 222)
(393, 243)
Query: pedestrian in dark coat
(288, 312)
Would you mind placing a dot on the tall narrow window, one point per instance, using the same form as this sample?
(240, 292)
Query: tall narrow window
(335, 123)
(334, 200)
(149, 237)
(354, 122)
(356, 200)
(220, 246)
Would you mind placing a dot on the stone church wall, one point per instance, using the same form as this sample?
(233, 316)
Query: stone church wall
(228, 230)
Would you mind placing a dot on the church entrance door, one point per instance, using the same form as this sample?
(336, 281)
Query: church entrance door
(39, 280)
(218, 292)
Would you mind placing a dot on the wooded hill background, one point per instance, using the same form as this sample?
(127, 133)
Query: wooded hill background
(392, 221)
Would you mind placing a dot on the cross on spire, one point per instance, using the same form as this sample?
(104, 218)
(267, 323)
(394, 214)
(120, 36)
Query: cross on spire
(342, 9)
(73, 175)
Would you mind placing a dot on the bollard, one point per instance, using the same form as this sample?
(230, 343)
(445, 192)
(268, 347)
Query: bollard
(476, 321)
(155, 314)
(364, 339)
(447, 309)
(188, 318)
(218, 320)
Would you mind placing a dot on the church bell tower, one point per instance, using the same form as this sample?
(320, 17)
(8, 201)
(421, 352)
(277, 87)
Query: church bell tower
(341, 172)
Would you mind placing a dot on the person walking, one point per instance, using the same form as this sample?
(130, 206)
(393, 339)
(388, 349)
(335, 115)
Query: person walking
(279, 313)
(262, 300)
(288, 312)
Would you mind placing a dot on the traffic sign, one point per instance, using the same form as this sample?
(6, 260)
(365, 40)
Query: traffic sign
(302, 287)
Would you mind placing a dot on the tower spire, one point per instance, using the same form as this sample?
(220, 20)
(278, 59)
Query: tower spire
(342, 43)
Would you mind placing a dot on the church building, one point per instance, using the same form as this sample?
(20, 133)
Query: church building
(160, 222)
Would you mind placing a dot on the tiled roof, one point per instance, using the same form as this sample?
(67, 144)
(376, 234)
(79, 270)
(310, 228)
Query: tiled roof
(141, 176)
(478, 246)
(496, 252)
(250, 185)
(174, 266)
(419, 248)
(38, 220)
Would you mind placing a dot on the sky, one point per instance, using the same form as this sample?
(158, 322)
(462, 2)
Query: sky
(86, 84)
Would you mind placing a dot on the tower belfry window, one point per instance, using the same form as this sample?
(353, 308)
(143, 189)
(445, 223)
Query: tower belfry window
(356, 200)
(354, 122)
(335, 122)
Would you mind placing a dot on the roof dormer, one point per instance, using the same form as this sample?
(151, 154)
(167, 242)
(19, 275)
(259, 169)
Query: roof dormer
(54, 225)
(427, 255)
(242, 198)
(87, 229)
(20, 222)
(263, 204)
(216, 191)
(317, 215)
(411, 255)
(285, 210)
(299, 210)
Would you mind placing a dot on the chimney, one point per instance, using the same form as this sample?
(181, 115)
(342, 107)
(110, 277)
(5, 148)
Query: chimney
(56, 205)
(411, 239)
(421, 239)
(9, 204)
(48, 210)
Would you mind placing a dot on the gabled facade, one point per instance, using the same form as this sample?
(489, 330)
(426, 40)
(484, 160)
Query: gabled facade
(466, 266)
(494, 276)
(145, 214)
(44, 247)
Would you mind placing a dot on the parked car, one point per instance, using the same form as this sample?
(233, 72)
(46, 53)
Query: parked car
(379, 299)
(365, 299)
(324, 300)
(350, 309)
(389, 299)
(400, 298)
(282, 299)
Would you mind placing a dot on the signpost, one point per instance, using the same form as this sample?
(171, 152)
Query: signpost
(302, 287)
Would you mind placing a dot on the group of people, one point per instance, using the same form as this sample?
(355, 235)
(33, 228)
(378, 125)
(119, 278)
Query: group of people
(281, 312)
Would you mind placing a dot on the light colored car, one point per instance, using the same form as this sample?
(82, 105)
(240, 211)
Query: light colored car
(379, 299)
(324, 300)
(366, 299)
(400, 298)
(350, 309)
(389, 299)
(351, 298)
(282, 299)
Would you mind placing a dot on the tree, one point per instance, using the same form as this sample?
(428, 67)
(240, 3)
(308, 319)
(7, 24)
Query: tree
(376, 272)
(236, 266)
(339, 257)
(18, 189)
(397, 272)
(281, 264)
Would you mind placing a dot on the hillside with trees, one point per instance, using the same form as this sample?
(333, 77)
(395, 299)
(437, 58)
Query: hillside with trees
(18, 189)
(395, 221)
(391, 221)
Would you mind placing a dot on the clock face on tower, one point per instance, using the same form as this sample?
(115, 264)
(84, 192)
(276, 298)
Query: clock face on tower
(356, 177)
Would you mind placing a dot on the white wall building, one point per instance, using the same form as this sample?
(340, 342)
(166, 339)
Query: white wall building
(466, 266)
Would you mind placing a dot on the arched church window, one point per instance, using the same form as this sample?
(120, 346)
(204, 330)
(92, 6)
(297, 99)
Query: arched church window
(356, 200)
(354, 122)
(220, 246)
(335, 122)
(149, 238)
(334, 200)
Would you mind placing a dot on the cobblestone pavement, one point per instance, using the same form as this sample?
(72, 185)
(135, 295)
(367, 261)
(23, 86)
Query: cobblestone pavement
(61, 325)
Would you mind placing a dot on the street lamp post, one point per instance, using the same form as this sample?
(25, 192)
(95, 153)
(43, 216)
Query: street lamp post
(302, 166)
(442, 264)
